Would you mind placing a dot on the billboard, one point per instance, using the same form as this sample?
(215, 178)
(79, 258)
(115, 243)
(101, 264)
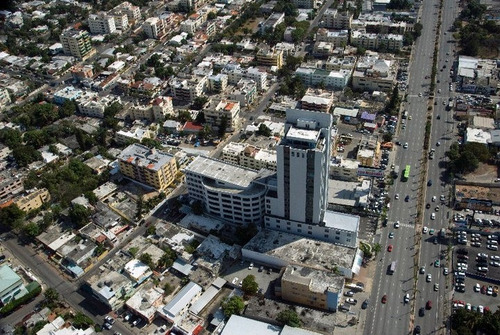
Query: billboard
(368, 171)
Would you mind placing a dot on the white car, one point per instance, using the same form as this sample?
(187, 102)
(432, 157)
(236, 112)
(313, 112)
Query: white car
(433, 198)
(396, 196)
(433, 216)
(495, 258)
(442, 198)
(396, 224)
(436, 287)
(351, 301)
(405, 146)
(480, 308)
(425, 230)
(250, 267)
(445, 271)
(428, 278)
(477, 287)
(407, 298)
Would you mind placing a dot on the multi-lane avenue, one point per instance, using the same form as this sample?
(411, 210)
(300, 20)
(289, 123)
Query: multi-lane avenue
(409, 250)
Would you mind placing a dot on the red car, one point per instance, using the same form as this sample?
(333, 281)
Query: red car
(428, 305)
(484, 289)
(389, 248)
(384, 299)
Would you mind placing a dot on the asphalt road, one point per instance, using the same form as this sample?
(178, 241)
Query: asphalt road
(394, 317)
(443, 132)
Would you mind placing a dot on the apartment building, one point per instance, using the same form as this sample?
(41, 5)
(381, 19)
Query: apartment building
(4, 97)
(249, 156)
(133, 12)
(67, 93)
(375, 41)
(187, 90)
(136, 134)
(10, 186)
(368, 150)
(228, 109)
(76, 43)
(236, 73)
(11, 285)
(101, 23)
(217, 83)
(151, 167)
(93, 105)
(33, 200)
(317, 100)
(245, 92)
(310, 287)
(272, 58)
(193, 23)
(110, 287)
(374, 74)
(337, 37)
(155, 28)
(271, 22)
(331, 79)
(334, 19)
(231, 192)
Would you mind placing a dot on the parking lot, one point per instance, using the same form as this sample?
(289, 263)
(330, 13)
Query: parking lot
(476, 269)
(264, 275)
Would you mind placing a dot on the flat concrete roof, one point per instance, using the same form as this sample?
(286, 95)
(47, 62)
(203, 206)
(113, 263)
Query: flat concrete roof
(341, 221)
(222, 172)
(300, 250)
(317, 280)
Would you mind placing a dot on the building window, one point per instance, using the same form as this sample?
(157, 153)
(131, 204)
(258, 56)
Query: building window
(299, 230)
(299, 225)
(337, 238)
(326, 235)
(309, 232)
(337, 232)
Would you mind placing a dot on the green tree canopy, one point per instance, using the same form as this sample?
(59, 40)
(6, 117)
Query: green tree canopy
(233, 305)
(79, 215)
(289, 317)
(249, 285)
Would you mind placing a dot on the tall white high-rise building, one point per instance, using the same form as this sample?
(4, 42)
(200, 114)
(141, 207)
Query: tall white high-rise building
(303, 157)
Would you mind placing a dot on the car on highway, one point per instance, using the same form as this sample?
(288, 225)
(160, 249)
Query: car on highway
(422, 270)
(421, 312)
(428, 206)
(442, 198)
(433, 198)
(446, 271)
(429, 183)
(384, 299)
(428, 305)
(436, 209)
(425, 230)
(391, 235)
(436, 287)
(365, 304)
(416, 331)
(396, 196)
(428, 278)
(437, 263)
(407, 198)
(433, 216)
(405, 146)
(389, 247)
(406, 298)
(396, 224)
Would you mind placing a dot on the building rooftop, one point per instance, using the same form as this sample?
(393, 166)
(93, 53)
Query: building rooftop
(342, 221)
(181, 300)
(477, 136)
(136, 269)
(7, 277)
(146, 300)
(223, 173)
(245, 326)
(294, 249)
(317, 280)
(297, 134)
(141, 155)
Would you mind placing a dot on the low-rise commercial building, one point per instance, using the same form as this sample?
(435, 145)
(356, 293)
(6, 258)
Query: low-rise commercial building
(11, 285)
(374, 74)
(249, 156)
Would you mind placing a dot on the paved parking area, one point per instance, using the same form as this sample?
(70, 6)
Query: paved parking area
(474, 276)
(236, 273)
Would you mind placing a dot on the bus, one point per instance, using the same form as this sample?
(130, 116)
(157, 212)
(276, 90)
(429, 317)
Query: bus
(406, 173)
(391, 268)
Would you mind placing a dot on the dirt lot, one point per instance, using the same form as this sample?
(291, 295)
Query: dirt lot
(484, 173)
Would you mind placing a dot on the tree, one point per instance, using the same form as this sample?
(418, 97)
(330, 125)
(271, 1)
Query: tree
(51, 296)
(31, 230)
(200, 118)
(133, 251)
(249, 285)
(264, 130)
(360, 51)
(387, 137)
(199, 102)
(11, 217)
(79, 215)
(224, 122)
(147, 259)
(80, 320)
(211, 16)
(233, 305)
(289, 317)
(377, 248)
